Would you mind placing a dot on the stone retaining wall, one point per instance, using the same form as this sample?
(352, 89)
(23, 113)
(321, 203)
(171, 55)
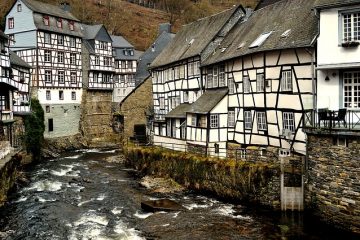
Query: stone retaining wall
(8, 173)
(333, 189)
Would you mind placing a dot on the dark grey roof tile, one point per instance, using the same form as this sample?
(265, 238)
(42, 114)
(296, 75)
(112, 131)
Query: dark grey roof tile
(16, 60)
(208, 101)
(49, 9)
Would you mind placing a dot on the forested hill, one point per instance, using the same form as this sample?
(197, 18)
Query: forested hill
(135, 22)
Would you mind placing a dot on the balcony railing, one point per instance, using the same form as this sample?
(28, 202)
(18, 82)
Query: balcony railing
(21, 109)
(342, 120)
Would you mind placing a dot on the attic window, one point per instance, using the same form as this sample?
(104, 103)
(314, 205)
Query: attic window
(125, 52)
(46, 20)
(59, 23)
(191, 41)
(260, 40)
(223, 49)
(153, 48)
(286, 33)
(241, 45)
(71, 26)
(19, 7)
(131, 52)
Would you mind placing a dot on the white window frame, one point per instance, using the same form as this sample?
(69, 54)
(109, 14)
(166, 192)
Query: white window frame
(60, 40)
(47, 38)
(48, 76)
(73, 58)
(231, 117)
(260, 82)
(19, 7)
(246, 84)
(61, 95)
(72, 42)
(186, 96)
(286, 80)
(11, 23)
(222, 78)
(214, 120)
(193, 120)
(47, 56)
(48, 95)
(61, 56)
(97, 60)
(231, 85)
(162, 103)
(351, 82)
(289, 121)
(73, 77)
(261, 121)
(215, 77)
(247, 120)
(73, 95)
(61, 77)
(350, 23)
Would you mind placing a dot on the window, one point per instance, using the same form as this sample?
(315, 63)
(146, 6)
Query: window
(231, 86)
(130, 64)
(73, 58)
(73, 77)
(61, 77)
(48, 95)
(191, 69)
(231, 117)
(11, 39)
(222, 76)
(288, 121)
(50, 125)
(46, 20)
(351, 26)
(48, 76)
(47, 38)
(106, 78)
(186, 96)
(125, 52)
(340, 141)
(103, 45)
(248, 119)
(71, 26)
(47, 109)
(123, 64)
(162, 103)
(61, 95)
(193, 120)
(246, 84)
(122, 78)
(19, 7)
(286, 81)
(47, 56)
(72, 42)
(182, 71)
(214, 121)
(210, 79)
(60, 40)
(96, 77)
(215, 77)
(261, 121)
(97, 60)
(260, 85)
(260, 40)
(59, 23)
(73, 95)
(22, 77)
(351, 89)
(11, 23)
(107, 61)
(60, 57)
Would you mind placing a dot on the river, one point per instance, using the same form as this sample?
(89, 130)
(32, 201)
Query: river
(82, 196)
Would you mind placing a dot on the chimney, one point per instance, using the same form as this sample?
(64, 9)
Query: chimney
(65, 6)
(165, 27)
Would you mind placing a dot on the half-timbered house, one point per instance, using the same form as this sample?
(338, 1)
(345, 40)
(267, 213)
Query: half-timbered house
(125, 67)
(49, 38)
(176, 72)
(267, 66)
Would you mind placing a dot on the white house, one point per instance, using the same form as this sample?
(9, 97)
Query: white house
(49, 38)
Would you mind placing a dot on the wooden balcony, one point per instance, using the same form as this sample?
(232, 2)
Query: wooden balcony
(6, 115)
(324, 121)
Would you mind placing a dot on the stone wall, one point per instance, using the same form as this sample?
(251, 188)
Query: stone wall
(8, 173)
(96, 118)
(333, 189)
(136, 107)
(257, 183)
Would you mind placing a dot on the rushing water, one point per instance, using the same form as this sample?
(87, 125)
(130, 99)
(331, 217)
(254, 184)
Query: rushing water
(83, 196)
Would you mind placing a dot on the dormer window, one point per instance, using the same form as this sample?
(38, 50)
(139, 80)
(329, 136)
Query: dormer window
(131, 52)
(11, 23)
(125, 52)
(59, 23)
(46, 20)
(71, 26)
(260, 40)
(351, 28)
(19, 7)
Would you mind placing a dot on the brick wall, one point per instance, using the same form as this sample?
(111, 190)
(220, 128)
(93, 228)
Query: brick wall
(136, 106)
(333, 189)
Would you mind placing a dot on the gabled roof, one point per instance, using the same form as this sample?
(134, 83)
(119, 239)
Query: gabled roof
(150, 54)
(180, 111)
(16, 60)
(335, 3)
(193, 38)
(294, 15)
(120, 42)
(208, 101)
(91, 31)
(49, 9)
(88, 46)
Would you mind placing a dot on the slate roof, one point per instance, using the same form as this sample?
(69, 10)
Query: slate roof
(90, 31)
(264, 3)
(3, 35)
(120, 42)
(16, 60)
(334, 3)
(49, 9)
(89, 46)
(296, 15)
(180, 111)
(208, 101)
(149, 55)
(193, 38)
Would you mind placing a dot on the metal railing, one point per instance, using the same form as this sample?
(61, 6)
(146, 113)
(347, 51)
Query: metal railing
(315, 119)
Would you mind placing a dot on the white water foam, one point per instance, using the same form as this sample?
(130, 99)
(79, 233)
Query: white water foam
(126, 233)
(228, 210)
(21, 199)
(166, 225)
(110, 151)
(87, 201)
(192, 206)
(45, 200)
(142, 215)
(176, 214)
(117, 210)
(101, 197)
(45, 185)
(74, 157)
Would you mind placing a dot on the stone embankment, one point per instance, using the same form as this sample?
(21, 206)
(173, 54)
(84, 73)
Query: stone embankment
(257, 183)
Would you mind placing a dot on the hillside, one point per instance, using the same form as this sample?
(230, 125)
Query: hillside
(136, 23)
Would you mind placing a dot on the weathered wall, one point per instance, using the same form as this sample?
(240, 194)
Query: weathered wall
(96, 118)
(334, 180)
(237, 180)
(135, 107)
(8, 172)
